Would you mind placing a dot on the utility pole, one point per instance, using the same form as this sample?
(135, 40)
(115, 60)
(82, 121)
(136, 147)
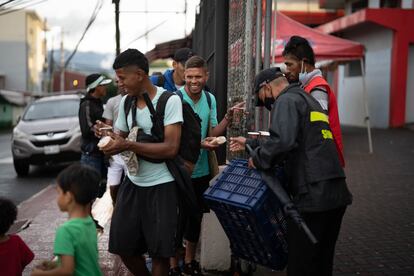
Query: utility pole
(117, 33)
(62, 63)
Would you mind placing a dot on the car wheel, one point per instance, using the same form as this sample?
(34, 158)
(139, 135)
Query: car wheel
(21, 167)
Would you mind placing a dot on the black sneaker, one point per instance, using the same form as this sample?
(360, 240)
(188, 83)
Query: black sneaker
(192, 269)
(176, 271)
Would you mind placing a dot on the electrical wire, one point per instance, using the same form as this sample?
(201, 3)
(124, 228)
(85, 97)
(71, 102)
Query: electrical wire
(5, 3)
(147, 32)
(95, 12)
(13, 8)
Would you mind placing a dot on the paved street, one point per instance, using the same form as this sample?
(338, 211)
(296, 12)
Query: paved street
(16, 188)
(378, 230)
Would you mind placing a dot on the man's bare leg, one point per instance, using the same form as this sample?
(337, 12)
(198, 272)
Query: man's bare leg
(136, 265)
(160, 266)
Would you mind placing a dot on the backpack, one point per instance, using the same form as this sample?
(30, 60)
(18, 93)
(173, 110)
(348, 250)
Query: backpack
(208, 96)
(190, 143)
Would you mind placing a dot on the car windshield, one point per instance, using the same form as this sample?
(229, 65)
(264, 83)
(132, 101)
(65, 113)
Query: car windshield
(52, 109)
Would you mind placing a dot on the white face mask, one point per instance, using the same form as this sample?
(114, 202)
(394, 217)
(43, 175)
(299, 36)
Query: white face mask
(302, 74)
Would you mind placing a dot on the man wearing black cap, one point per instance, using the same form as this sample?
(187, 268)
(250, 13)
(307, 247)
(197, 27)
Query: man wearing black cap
(300, 138)
(173, 79)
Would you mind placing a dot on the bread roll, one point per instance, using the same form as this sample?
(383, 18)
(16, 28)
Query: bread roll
(104, 141)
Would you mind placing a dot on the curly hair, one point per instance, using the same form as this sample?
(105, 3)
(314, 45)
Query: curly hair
(300, 48)
(8, 214)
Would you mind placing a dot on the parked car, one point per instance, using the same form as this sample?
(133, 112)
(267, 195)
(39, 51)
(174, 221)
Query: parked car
(47, 133)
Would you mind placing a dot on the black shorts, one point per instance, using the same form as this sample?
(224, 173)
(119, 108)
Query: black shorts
(144, 220)
(192, 228)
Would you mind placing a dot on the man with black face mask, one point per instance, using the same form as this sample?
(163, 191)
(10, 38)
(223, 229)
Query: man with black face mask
(301, 141)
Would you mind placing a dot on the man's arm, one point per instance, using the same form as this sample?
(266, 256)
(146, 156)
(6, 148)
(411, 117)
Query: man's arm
(86, 121)
(165, 150)
(224, 123)
(172, 134)
(321, 95)
(284, 128)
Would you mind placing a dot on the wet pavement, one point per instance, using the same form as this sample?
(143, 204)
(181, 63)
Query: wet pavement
(377, 236)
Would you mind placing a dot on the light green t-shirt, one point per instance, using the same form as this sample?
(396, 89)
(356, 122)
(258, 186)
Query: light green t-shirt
(151, 174)
(77, 237)
(203, 110)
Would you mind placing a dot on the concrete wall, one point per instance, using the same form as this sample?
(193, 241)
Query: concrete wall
(409, 103)
(378, 44)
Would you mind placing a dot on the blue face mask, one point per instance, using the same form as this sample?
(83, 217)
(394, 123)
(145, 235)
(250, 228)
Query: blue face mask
(302, 74)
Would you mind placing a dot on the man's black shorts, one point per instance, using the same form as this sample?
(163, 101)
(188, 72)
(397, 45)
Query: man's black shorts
(144, 220)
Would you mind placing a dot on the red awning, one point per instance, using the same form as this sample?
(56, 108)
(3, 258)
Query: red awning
(326, 47)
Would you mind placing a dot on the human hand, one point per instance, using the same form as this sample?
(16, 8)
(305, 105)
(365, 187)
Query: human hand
(206, 144)
(101, 129)
(46, 265)
(116, 145)
(251, 164)
(237, 143)
(238, 107)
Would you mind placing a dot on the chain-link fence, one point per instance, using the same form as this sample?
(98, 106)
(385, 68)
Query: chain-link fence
(242, 25)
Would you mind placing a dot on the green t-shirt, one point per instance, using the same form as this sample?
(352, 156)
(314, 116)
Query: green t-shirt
(77, 238)
(203, 110)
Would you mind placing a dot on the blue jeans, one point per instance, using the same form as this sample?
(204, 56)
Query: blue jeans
(96, 162)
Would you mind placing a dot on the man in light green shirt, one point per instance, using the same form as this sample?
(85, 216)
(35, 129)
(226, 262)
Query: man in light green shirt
(145, 214)
(204, 104)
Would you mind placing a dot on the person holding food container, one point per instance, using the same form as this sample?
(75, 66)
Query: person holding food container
(204, 104)
(91, 110)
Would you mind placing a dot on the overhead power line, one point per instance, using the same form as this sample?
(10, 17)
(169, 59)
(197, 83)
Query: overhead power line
(17, 6)
(5, 3)
(147, 32)
(95, 12)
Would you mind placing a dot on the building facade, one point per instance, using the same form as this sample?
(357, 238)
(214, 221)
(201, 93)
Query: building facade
(22, 51)
(385, 29)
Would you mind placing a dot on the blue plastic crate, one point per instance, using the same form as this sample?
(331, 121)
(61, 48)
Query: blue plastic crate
(250, 214)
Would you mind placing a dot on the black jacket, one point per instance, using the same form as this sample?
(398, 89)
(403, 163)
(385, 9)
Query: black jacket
(90, 110)
(303, 144)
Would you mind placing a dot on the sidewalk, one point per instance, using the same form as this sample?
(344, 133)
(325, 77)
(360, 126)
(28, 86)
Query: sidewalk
(377, 237)
(46, 217)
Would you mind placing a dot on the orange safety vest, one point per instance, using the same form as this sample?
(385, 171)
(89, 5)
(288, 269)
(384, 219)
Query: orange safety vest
(334, 123)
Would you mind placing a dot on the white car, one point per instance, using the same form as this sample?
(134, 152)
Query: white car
(47, 133)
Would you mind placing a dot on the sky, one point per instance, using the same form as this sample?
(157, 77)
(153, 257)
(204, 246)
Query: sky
(74, 15)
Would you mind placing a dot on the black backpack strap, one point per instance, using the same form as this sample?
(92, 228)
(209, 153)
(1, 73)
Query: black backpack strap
(208, 98)
(130, 103)
(157, 116)
(162, 102)
(180, 94)
(149, 103)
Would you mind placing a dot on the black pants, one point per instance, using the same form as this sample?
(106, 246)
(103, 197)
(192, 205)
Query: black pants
(144, 220)
(192, 227)
(306, 259)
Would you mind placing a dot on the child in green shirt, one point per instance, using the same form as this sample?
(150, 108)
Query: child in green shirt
(75, 242)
